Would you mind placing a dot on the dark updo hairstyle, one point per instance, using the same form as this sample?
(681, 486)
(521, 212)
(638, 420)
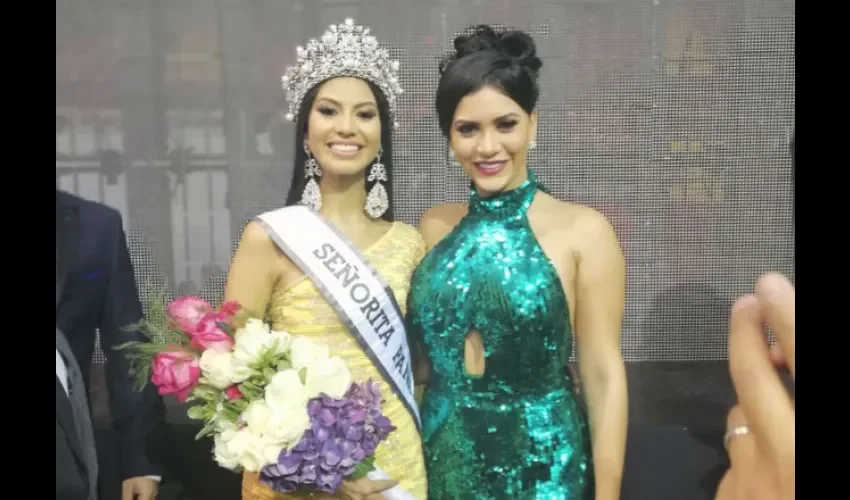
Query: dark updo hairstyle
(488, 56)
(296, 188)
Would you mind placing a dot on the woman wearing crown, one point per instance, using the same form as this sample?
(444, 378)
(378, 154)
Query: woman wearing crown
(342, 95)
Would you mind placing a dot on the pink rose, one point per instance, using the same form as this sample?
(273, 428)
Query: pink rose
(176, 373)
(187, 311)
(230, 308)
(208, 335)
(232, 393)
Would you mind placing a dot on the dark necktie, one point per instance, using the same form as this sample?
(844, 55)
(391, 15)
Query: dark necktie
(80, 409)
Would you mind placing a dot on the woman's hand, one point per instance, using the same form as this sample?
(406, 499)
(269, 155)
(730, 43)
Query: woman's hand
(761, 443)
(364, 489)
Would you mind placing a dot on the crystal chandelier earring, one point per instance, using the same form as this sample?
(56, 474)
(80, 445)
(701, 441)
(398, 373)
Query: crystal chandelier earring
(311, 196)
(377, 201)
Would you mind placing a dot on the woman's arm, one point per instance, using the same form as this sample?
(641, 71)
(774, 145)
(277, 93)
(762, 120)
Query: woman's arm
(251, 278)
(600, 296)
(421, 368)
(439, 221)
(435, 224)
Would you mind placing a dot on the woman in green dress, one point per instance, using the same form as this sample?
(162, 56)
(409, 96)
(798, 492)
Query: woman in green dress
(509, 278)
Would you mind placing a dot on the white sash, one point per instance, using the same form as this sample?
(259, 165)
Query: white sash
(362, 300)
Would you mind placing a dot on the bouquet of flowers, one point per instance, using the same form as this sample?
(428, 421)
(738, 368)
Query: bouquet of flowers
(275, 403)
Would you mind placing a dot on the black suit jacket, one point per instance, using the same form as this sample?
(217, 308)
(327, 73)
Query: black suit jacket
(98, 291)
(71, 478)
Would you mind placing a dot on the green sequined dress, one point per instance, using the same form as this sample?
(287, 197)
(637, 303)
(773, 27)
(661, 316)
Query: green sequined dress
(519, 431)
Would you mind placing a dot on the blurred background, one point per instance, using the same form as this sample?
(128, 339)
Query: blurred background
(672, 117)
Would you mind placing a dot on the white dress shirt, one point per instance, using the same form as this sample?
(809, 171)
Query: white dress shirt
(61, 371)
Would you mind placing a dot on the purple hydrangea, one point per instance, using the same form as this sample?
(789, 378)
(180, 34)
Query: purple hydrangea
(343, 433)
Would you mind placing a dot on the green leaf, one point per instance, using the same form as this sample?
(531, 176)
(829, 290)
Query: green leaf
(363, 469)
(269, 372)
(240, 404)
(248, 392)
(155, 325)
(207, 430)
(207, 393)
(158, 333)
(140, 356)
(197, 412)
(283, 364)
(229, 414)
(249, 386)
(236, 406)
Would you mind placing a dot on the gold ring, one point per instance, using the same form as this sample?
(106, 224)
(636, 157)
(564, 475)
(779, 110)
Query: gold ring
(737, 431)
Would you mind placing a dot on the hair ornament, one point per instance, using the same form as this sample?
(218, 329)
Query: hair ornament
(344, 49)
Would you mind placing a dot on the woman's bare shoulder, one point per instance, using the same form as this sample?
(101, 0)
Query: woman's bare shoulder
(575, 218)
(439, 221)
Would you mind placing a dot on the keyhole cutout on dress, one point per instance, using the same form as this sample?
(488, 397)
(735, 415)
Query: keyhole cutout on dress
(473, 354)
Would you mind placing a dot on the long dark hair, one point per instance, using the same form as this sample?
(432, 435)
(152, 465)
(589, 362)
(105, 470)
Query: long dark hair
(298, 179)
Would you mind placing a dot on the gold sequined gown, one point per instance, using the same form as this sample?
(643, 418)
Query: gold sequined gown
(300, 309)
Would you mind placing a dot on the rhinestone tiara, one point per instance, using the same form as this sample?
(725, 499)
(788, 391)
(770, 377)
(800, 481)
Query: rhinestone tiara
(344, 50)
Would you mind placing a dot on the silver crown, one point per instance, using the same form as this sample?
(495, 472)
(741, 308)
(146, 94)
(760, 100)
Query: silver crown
(344, 50)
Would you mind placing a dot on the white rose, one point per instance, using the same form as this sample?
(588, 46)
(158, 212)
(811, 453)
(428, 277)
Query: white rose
(222, 425)
(286, 427)
(283, 341)
(253, 457)
(331, 377)
(256, 325)
(216, 368)
(256, 416)
(240, 372)
(226, 455)
(271, 452)
(242, 447)
(285, 390)
(251, 342)
(229, 446)
(304, 352)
